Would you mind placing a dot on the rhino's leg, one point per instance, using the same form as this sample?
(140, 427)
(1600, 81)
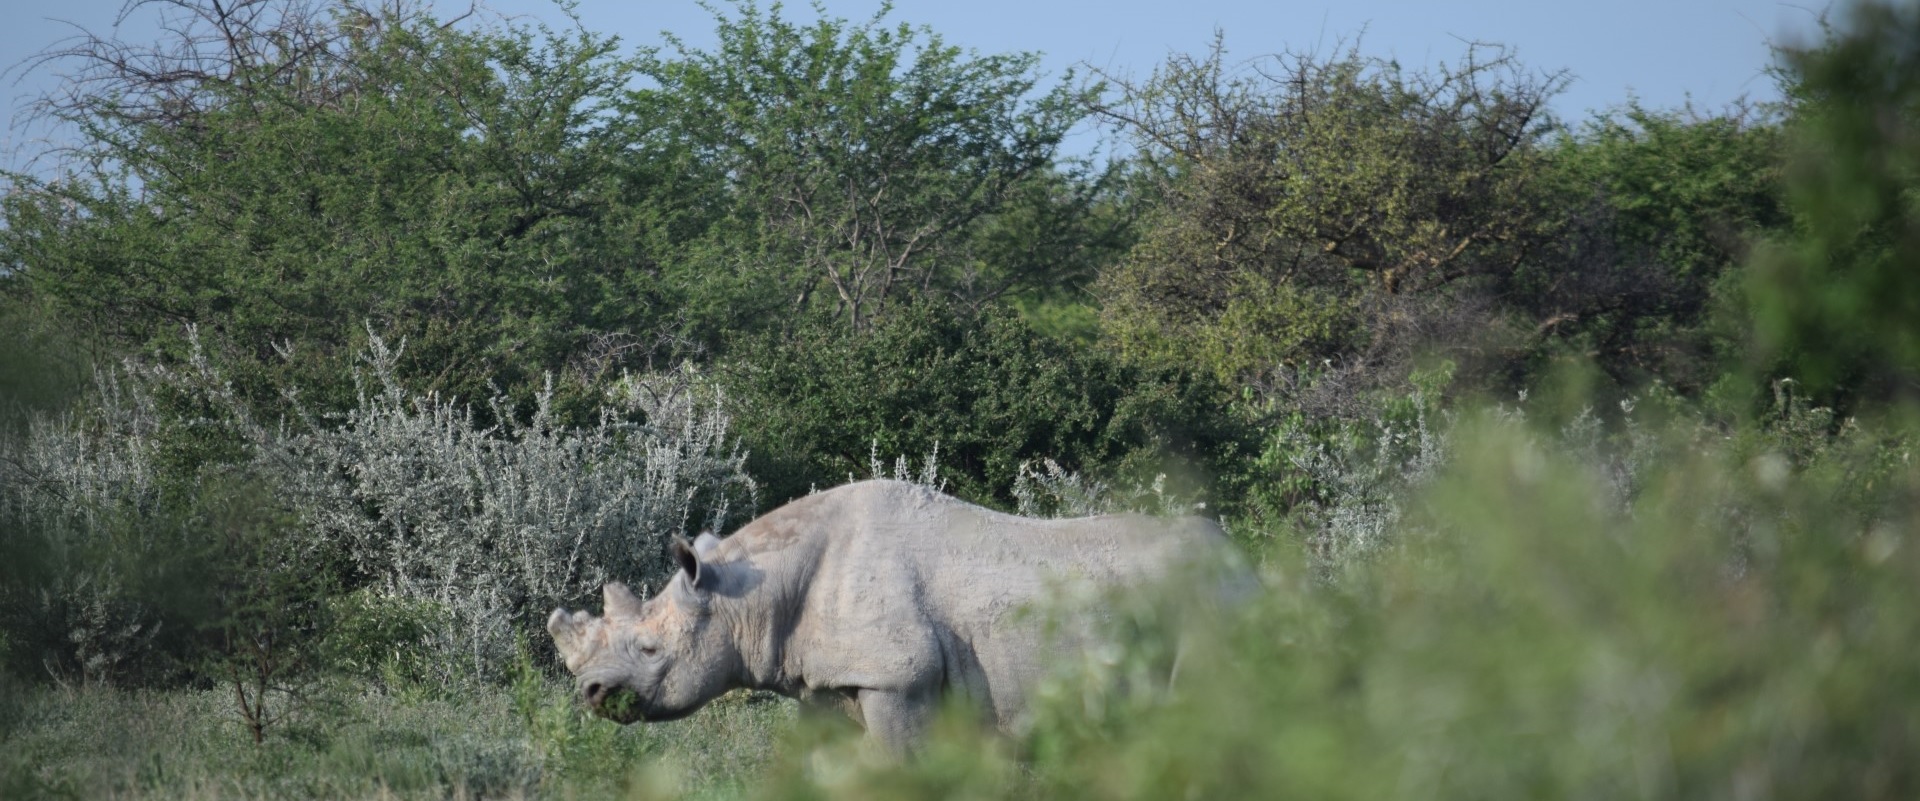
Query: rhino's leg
(897, 720)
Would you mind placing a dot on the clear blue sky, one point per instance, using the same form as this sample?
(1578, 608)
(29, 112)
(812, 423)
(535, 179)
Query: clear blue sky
(1661, 51)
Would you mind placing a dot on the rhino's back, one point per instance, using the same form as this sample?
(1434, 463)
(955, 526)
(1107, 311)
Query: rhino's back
(956, 550)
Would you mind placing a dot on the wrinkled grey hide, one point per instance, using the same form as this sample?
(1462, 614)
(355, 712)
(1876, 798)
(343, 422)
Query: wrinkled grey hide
(878, 597)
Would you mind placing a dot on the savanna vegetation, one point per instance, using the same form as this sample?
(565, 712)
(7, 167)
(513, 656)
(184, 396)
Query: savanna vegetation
(1577, 455)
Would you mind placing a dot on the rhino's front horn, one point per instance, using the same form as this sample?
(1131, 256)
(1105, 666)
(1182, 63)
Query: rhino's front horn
(620, 601)
(568, 635)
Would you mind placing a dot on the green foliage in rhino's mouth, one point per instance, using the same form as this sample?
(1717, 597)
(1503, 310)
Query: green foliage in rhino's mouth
(622, 705)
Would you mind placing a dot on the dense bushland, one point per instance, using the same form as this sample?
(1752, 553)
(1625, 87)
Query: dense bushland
(1577, 455)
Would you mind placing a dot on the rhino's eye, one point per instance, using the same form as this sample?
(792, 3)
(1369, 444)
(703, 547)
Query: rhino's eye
(649, 650)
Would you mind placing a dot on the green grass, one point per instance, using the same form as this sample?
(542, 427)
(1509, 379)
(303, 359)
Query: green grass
(474, 743)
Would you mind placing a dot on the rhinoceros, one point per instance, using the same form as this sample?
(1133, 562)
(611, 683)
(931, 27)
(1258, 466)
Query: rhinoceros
(878, 597)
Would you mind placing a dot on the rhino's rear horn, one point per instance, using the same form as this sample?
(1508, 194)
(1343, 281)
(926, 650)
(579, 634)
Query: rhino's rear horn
(704, 544)
(620, 601)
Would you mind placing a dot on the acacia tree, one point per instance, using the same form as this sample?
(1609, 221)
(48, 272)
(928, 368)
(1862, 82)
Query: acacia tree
(1660, 208)
(1304, 199)
(278, 171)
(856, 158)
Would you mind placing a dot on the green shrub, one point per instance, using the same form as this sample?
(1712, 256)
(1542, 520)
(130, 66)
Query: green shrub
(1835, 301)
(383, 640)
(260, 604)
(988, 389)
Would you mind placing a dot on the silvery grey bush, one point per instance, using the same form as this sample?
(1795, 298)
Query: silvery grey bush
(1048, 490)
(487, 527)
(1365, 471)
(498, 525)
(1371, 471)
(71, 480)
(928, 476)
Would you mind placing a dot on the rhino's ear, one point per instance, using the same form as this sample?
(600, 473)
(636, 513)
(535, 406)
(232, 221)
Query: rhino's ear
(688, 558)
(620, 601)
(704, 544)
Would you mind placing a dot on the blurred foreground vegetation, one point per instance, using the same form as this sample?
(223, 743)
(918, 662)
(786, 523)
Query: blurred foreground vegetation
(1578, 456)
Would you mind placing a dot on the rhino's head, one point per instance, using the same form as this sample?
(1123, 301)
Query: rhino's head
(655, 660)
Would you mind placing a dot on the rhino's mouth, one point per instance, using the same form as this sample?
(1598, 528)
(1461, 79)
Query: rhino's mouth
(621, 705)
